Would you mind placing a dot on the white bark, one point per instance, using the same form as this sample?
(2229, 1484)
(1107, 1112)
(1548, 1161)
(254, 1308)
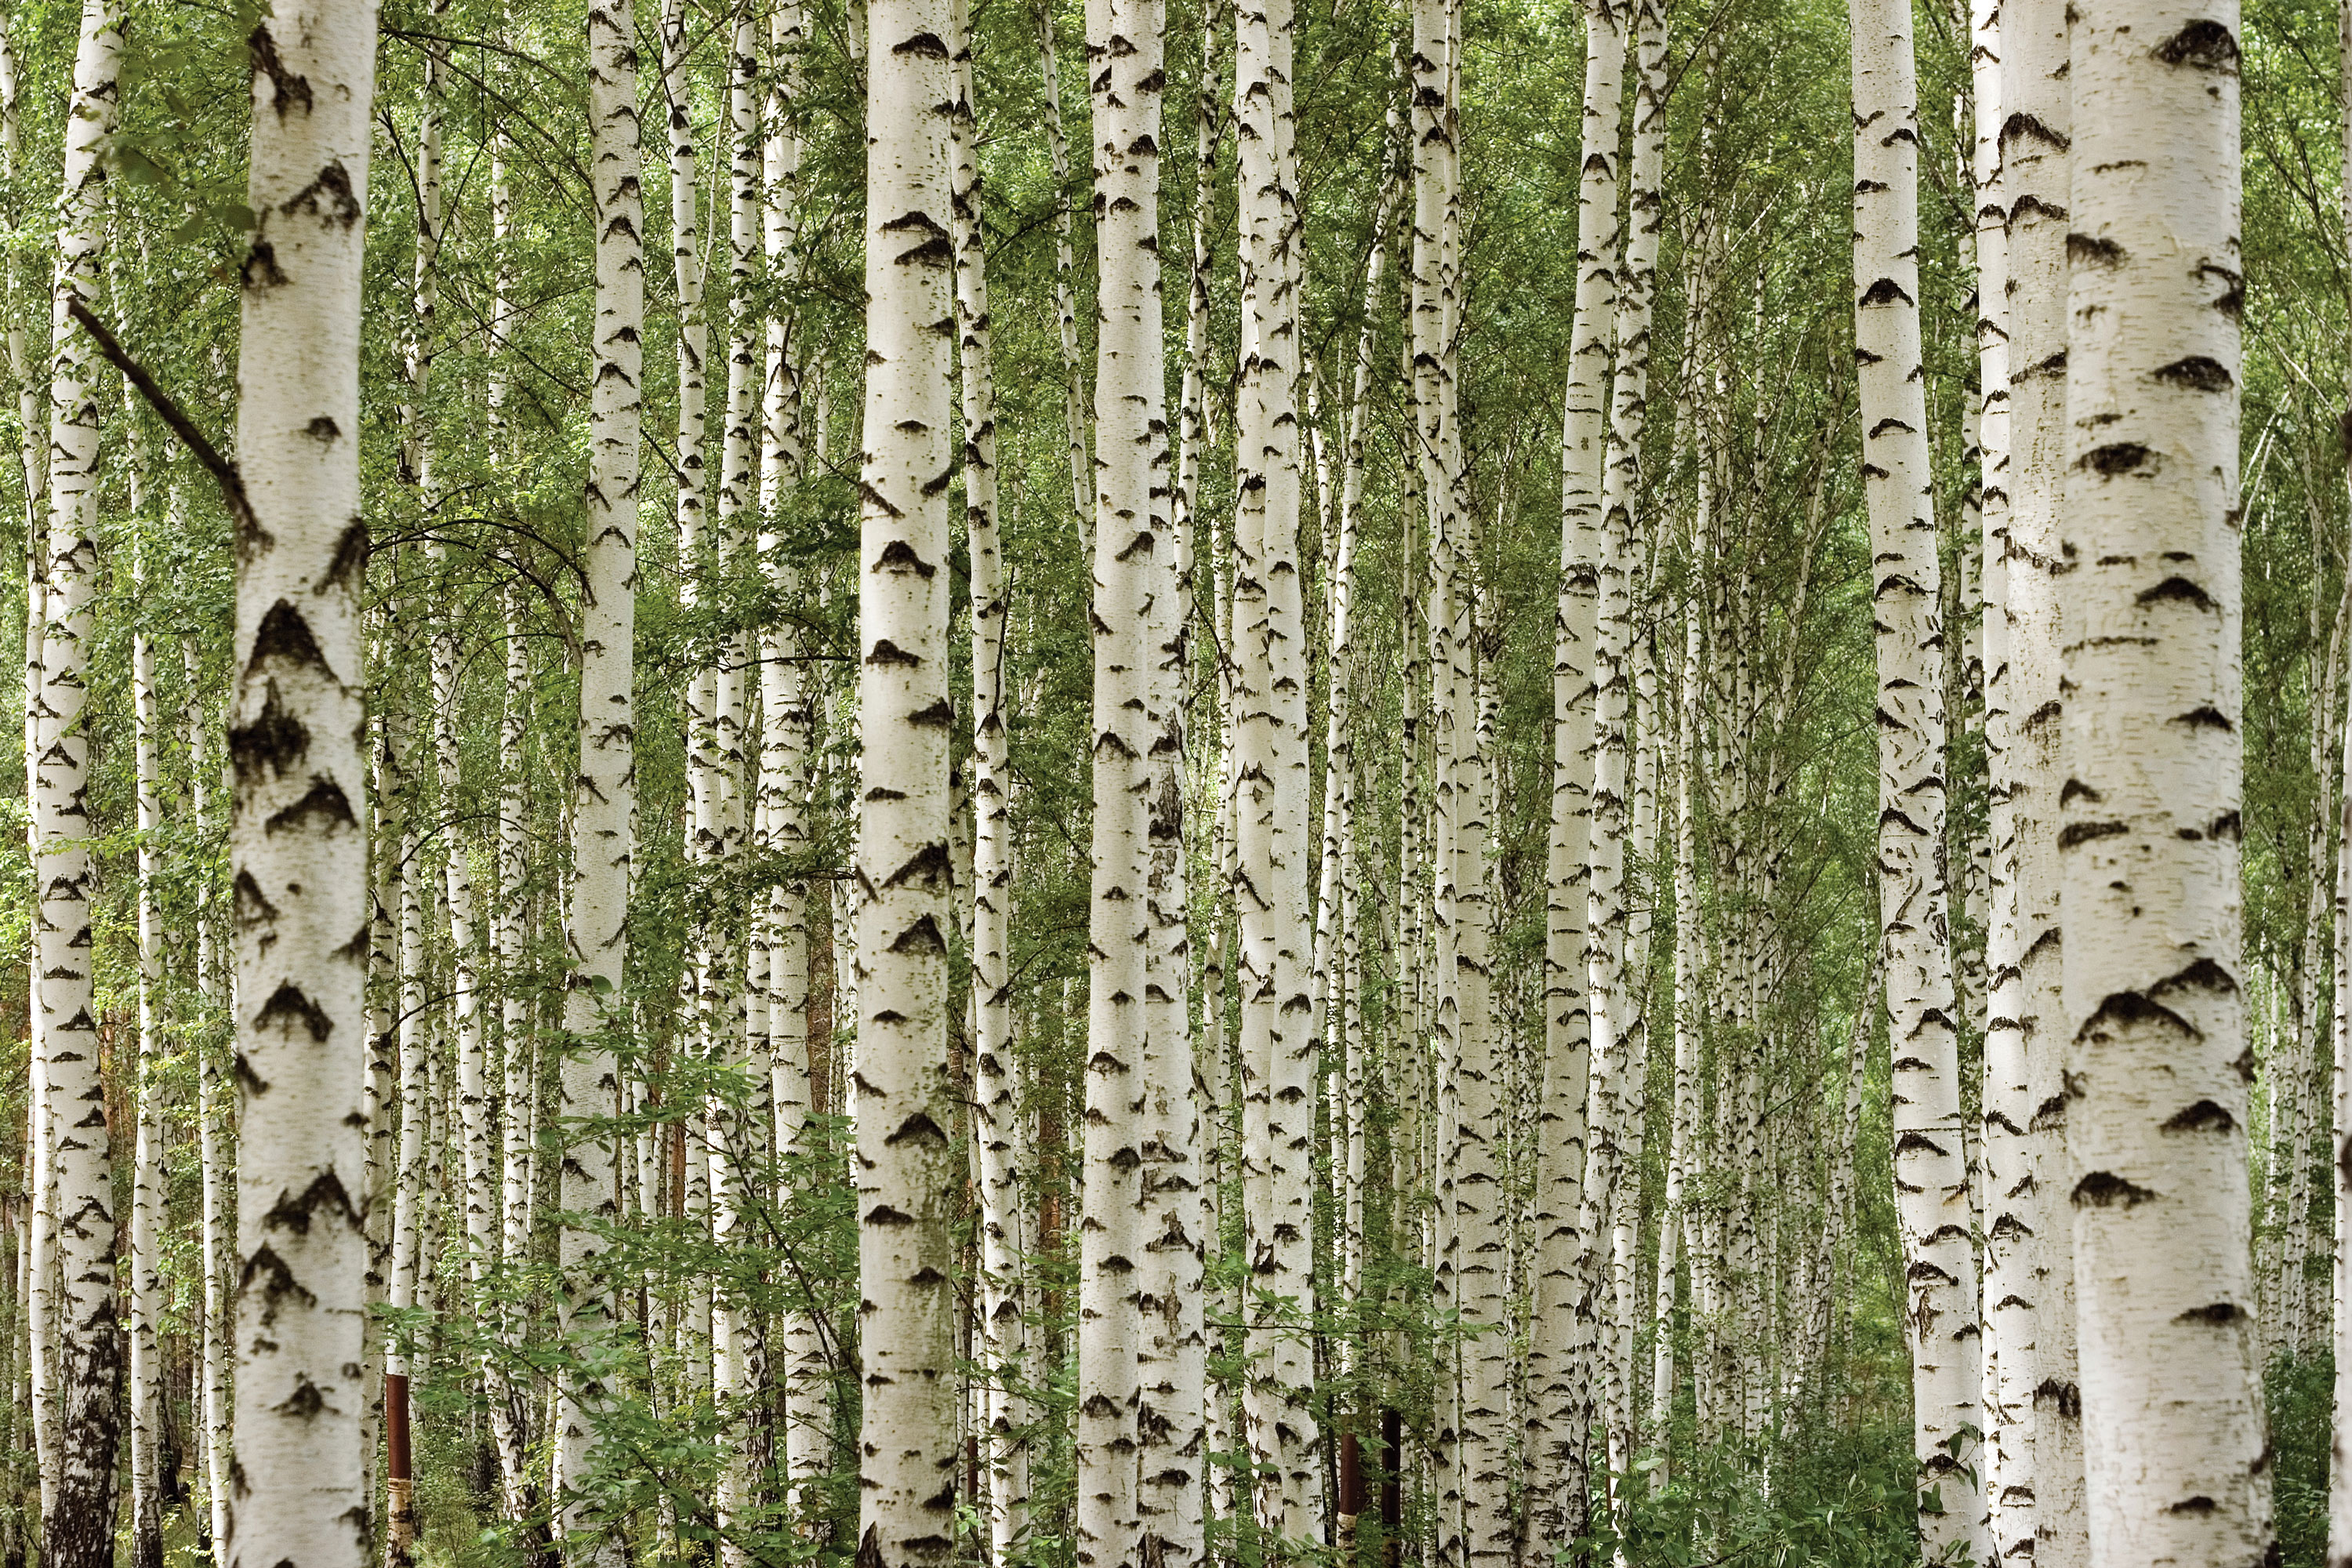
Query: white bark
(908, 1170)
(1931, 1181)
(787, 717)
(2034, 185)
(517, 1084)
(2339, 1451)
(409, 1195)
(1119, 947)
(999, 1127)
(1436, 196)
(78, 1266)
(1270, 781)
(603, 825)
(2148, 853)
(1682, 1153)
(685, 266)
(1075, 411)
(1557, 1372)
(215, 1350)
(1623, 805)
(147, 1176)
(2012, 1215)
(298, 843)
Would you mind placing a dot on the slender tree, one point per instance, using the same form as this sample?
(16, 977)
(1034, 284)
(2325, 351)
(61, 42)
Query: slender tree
(1931, 1175)
(603, 796)
(297, 842)
(907, 1167)
(73, 1143)
(2176, 1458)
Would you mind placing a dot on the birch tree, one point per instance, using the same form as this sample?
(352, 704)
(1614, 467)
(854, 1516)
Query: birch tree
(1931, 1177)
(297, 839)
(1557, 1367)
(78, 1265)
(905, 1162)
(1269, 715)
(603, 808)
(2149, 849)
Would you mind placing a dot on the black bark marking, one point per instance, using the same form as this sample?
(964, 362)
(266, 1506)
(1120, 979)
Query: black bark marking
(2125, 1009)
(2204, 45)
(928, 866)
(2094, 250)
(287, 90)
(276, 741)
(2066, 1396)
(349, 565)
(1886, 291)
(883, 1214)
(2178, 587)
(2206, 717)
(266, 1273)
(2221, 1314)
(2102, 1189)
(328, 197)
(325, 801)
(292, 1211)
(284, 633)
(918, 1125)
(2076, 833)
(2022, 125)
(290, 1005)
(2202, 1117)
(926, 44)
(923, 936)
(2120, 457)
(885, 651)
(2198, 373)
(899, 555)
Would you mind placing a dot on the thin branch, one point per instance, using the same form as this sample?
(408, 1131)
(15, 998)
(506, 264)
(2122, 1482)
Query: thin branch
(232, 483)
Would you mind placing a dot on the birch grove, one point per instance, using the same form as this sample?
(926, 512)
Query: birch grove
(914, 783)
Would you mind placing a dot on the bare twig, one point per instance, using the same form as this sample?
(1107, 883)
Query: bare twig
(232, 483)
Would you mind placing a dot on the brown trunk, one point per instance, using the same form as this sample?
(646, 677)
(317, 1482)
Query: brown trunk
(1351, 1493)
(399, 1482)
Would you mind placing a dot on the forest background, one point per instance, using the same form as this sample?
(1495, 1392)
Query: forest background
(1758, 156)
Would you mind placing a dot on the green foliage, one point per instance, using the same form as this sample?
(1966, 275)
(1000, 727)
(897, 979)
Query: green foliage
(2300, 1393)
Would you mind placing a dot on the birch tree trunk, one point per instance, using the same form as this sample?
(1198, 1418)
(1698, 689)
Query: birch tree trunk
(788, 717)
(1435, 195)
(214, 1349)
(298, 841)
(603, 798)
(741, 1027)
(408, 1184)
(2339, 1453)
(998, 1124)
(517, 1084)
(148, 1191)
(1066, 314)
(1618, 915)
(1681, 1153)
(1931, 1179)
(908, 1170)
(2034, 95)
(1130, 545)
(1557, 1372)
(2013, 1316)
(2148, 852)
(73, 1143)
(1269, 716)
